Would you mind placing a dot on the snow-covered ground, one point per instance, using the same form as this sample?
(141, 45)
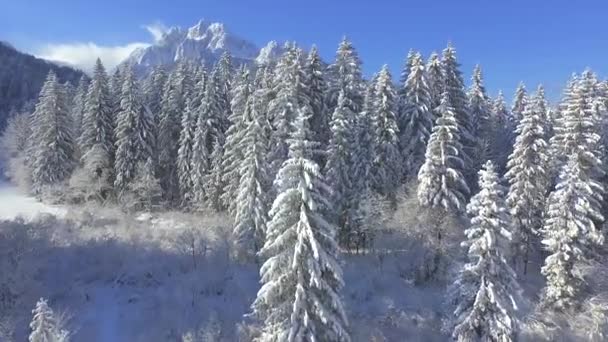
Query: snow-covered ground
(158, 277)
(13, 203)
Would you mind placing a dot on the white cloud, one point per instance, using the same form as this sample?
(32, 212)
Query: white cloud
(83, 55)
(156, 29)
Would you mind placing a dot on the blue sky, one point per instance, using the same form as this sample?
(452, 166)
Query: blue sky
(532, 41)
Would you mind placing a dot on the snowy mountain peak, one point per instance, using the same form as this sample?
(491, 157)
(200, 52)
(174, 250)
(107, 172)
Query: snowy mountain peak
(270, 52)
(206, 41)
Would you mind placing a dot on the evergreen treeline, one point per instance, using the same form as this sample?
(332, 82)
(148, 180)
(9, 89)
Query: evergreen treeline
(292, 151)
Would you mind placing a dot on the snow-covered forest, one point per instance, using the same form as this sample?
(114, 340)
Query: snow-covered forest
(297, 200)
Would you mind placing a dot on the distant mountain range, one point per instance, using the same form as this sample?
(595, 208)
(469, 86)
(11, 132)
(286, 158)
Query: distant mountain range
(204, 42)
(22, 76)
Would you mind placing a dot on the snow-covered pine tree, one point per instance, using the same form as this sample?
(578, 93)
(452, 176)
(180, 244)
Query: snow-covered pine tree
(299, 299)
(482, 127)
(345, 75)
(570, 233)
(209, 129)
(98, 121)
(153, 89)
(317, 89)
(417, 117)
(557, 139)
(338, 168)
(184, 152)
(233, 152)
(172, 107)
(291, 95)
(528, 177)
(388, 160)
(52, 146)
(363, 160)
(44, 326)
(132, 134)
(504, 126)
(434, 76)
(520, 101)
(454, 86)
(78, 106)
(441, 183)
(224, 75)
(252, 200)
(486, 287)
(214, 186)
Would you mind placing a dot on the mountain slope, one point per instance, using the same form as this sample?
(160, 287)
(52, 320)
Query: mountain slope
(204, 42)
(22, 76)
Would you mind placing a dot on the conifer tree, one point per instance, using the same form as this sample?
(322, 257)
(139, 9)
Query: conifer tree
(482, 127)
(434, 76)
(441, 181)
(417, 116)
(78, 106)
(519, 102)
(570, 233)
(172, 107)
(457, 98)
(252, 200)
(299, 299)
(133, 133)
(52, 146)
(98, 120)
(504, 126)
(233, 150)
(291, 96)
(388, 160)
(209, 129)
(528, 177)
(153, 89)
(338, 168)
(44, 326)
(317, 88)
(214, 185)
(346, 76)
(184, 152)
(486, 287)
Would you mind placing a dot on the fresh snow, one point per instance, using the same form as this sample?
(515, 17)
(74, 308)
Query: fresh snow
(15, 204)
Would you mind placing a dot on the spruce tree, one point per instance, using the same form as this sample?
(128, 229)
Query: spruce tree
(213, 183)
(209, 129)
(486, 287)
(52, 146)
(519, 102)
(172, 107)
(78, 106)
(387, 158)
(291, 96)
(133, 130)
(44, 326)
(338, 168)
(316, 85)
(528, 177)
(454, 86)
(434, 76)
(417, 117)
(299, 299)
(233, 153)
(480, 115)
(98, 120)
(570, 233)
(441, 183)
(184, 152)
(252, 199)
(504, 128)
